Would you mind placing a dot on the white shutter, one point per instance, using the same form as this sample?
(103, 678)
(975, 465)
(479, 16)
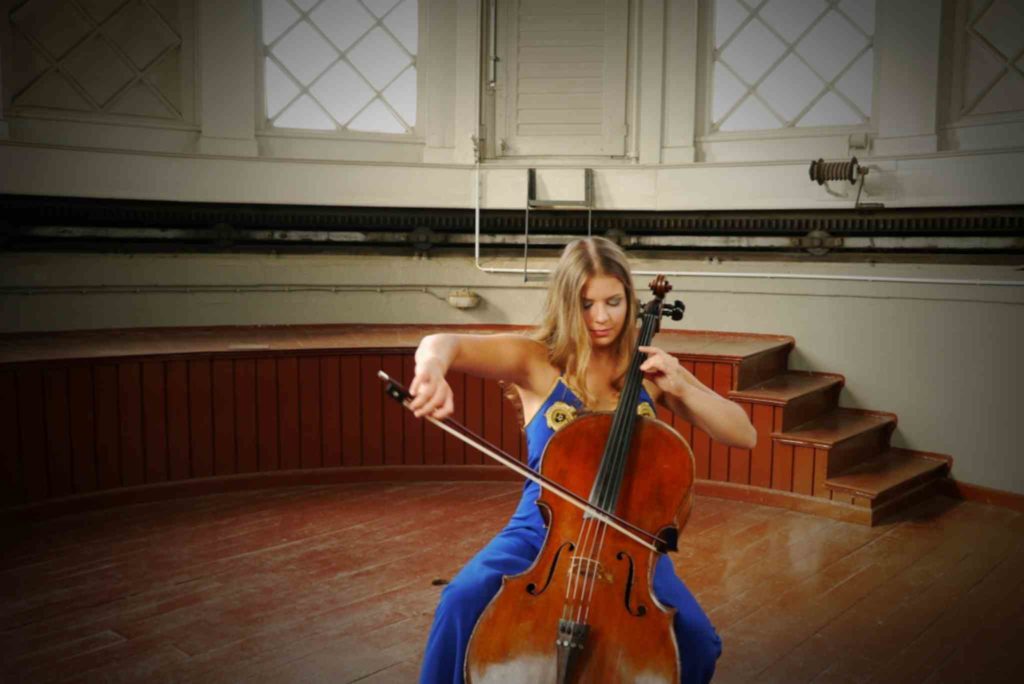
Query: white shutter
(564, 91)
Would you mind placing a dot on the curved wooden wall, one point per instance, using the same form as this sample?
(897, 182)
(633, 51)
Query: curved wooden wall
(120, 416)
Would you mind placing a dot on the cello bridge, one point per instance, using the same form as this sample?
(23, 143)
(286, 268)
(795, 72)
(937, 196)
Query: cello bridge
(590, 568)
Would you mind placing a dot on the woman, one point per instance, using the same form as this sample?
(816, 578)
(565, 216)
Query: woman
(577, 358)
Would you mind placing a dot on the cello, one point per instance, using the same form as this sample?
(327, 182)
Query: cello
(616, 491)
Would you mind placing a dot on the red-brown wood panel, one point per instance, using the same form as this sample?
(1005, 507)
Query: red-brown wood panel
(821, 474)
(58, 430)
(684, 427)
(154, 420)
(475, 415)
(782, 468)
(177, 419)
(224, 457)
(433, 444)
(83, 428)
(701, 441)
(454, 453)
(200, 415)
(310, 440)
(739, 459)
(510, 430)
(394, 421)
(108, 452)
(12, 489)
(373, 404)
(492, 415)
(803, 470)
(721, 383)
(761, 456)
(246, 432)
(32, 431)
(288, 411)
(129, 386)
(351, 412)
(330, 398)
(266, 409)
(412, 426)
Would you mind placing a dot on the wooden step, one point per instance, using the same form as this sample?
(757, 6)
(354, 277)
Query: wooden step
(755, 357)
(803, 395)
(891, 472)
(850, 436)
(894, 480)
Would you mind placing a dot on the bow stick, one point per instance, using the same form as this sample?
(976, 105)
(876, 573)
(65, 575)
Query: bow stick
(400, 394)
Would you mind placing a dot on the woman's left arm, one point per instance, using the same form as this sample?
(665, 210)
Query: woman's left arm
(723, 420)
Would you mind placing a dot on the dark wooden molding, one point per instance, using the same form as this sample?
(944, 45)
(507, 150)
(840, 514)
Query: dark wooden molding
(220, 226)
(986, 495)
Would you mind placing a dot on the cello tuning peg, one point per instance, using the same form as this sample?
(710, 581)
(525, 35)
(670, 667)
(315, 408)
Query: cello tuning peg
(674, 311)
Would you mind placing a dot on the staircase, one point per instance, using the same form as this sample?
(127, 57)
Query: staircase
(812, 454)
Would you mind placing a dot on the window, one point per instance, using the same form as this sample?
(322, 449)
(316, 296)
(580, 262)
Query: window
(991, 78)
(340, 65)
(791, 63)
(102, 58)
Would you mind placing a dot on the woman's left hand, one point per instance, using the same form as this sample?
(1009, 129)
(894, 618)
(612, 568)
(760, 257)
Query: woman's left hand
(665, 371)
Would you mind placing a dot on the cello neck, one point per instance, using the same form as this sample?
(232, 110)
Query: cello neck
(608, 483)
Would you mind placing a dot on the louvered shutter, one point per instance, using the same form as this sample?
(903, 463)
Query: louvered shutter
(564, 85)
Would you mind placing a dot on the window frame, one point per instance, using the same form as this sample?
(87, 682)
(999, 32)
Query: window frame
(705, 85)
(265, 129)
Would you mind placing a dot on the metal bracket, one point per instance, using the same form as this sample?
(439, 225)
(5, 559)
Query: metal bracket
(533, 202)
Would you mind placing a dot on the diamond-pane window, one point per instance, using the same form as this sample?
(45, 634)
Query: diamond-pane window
(98, 56)
(789, 63)
(341, 64)
(992, 80)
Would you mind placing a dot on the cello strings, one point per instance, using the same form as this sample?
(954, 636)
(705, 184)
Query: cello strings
(618, 451)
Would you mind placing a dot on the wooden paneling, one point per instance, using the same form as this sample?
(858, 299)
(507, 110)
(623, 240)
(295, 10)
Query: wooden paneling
(761, 456)
(454, 448)
(87, 425)
(803, 470)
(58, 431)
(129, 389)
(288, 412)
(475, 415)
(412, 426)
(11, 484)
(739, 459)
(782, 468)
(246, 442)
(200, 395)
(371, 405)
(177, 420)
(83, 428)
(330, 396)
(310, 440)
(351, 408)
(108, 442)
(492, 415)
(223, 375)
(721, 384)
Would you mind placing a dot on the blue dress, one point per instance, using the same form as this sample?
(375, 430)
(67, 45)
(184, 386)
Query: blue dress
(513, 550)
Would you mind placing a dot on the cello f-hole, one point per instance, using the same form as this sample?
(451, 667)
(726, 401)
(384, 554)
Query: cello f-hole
(531, 588)
(640, 610)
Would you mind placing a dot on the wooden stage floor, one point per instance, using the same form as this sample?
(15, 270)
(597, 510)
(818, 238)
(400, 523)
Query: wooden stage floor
(335, 584)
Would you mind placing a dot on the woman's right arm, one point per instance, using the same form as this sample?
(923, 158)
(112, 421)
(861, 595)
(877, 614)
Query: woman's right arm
(508, 357)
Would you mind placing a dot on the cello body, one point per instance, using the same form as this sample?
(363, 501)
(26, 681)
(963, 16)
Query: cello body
(597, 577)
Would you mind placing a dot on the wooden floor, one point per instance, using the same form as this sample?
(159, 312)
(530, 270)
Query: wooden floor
(336, 584)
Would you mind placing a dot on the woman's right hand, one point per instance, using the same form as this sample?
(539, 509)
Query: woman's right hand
(432, 395)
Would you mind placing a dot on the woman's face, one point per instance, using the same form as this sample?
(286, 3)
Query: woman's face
(604, 309)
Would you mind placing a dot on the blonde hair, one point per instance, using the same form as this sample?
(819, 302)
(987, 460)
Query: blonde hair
(562, 328)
